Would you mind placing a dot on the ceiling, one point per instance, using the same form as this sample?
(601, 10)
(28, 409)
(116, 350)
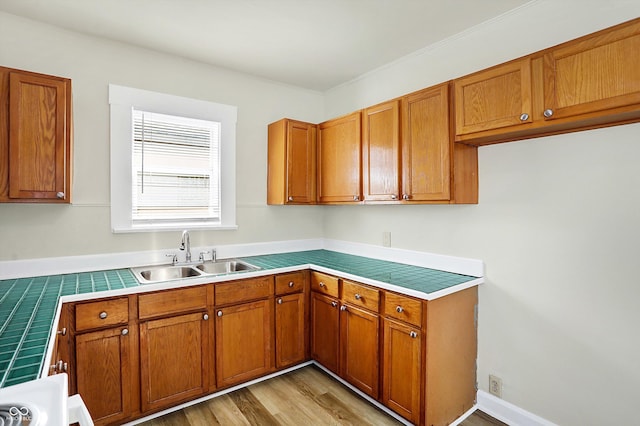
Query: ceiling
(315, 44)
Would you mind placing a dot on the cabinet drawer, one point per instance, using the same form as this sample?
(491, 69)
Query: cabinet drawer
(290, 283)
(325, 284)
(172, 301)
(243, 290)
(103, 313)
(404, 308)
(360, 295)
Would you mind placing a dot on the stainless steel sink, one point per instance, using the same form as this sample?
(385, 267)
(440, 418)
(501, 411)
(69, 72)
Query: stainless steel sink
(156, 274)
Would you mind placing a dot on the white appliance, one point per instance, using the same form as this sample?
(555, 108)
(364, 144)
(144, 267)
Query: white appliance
(42, 402)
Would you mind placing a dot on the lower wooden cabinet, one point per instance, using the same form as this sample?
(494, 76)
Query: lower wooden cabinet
(290, 329)
(325, 330)
(105, 373)
(174, 360)
(359, 330)
(401, 369)
(244, 342)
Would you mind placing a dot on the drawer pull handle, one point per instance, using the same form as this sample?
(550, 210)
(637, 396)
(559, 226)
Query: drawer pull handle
(334, 304)
(103, 315)
(399, 309)
(413, 334)
(343, 307)
(290, 284)
(219, 313)
(280, 301)
(205, 317)
(322, 285)
(60, 195)
(357, 296)
(524, 116)
(548, 113)
(290, 198)
(125, 332)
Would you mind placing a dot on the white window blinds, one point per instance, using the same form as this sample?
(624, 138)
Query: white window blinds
(176, 169)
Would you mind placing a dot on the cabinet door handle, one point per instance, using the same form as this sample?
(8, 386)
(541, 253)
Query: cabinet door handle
(63, 331)
(413, 334)
(356, 198)
(205, 317)
(405, 197)
(394, 197)
(322, 285)
(524, 116)
(290, 198)
(399, 309)
(290, 284)
(334, 304)
(357, 296)
(343, 307)
(125, 332)
(280, 301)
(548, 113)
(103, 315)
(60, 195)
(219, 313)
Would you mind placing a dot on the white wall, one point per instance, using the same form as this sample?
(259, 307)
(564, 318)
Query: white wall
(557, 226)
(36, 231)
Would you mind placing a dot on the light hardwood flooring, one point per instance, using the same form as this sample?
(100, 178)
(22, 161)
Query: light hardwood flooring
(306, 396)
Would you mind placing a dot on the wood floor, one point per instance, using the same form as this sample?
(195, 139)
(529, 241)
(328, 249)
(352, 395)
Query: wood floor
(306, 397)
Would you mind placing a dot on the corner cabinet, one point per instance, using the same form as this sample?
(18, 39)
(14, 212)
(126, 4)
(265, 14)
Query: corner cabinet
(35, 137)
(291, 175)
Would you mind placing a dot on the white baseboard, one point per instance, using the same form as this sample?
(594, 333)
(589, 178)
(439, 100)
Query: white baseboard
(507, 412)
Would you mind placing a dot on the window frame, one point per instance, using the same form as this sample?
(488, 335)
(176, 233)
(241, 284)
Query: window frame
(122, 101)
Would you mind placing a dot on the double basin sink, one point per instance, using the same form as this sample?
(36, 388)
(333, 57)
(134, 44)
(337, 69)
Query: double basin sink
(157, 274)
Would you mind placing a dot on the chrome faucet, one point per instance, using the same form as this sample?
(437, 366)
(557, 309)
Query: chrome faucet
(186, 243)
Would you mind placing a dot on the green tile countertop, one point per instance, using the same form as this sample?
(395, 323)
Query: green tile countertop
(28, 306)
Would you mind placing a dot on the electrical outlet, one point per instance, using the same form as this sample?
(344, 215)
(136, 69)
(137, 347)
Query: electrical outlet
(495, 385)
(386, 239)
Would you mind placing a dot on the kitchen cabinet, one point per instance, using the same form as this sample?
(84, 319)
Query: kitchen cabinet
(290, 319)
(325, 330)
(175, 346)
(244, 330)
(402, 355)
(106, 347)
(61, 357)
(291, 175)
(339, 160)
(35, 137)
(381, 152)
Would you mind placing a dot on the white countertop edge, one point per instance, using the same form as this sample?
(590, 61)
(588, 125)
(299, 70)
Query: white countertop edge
(25, 268)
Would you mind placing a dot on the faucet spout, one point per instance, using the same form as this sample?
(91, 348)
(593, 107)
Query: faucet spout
(185, 243)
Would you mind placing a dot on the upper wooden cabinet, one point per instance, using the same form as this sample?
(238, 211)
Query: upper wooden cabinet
(291, 176)
(381, 152)
(35, 137)
(339, 160)
(494, 98)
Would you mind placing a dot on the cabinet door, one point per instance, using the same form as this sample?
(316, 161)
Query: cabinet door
(593, 74)
(339, 160)
(495, 98)
(104, 374)
(39, 137)
(426, 145)
(174, 359)
(359, 348)
(381, 152)
(243, 342)
(290, 319)
(325, 330)
(291, 176)
(401, 369)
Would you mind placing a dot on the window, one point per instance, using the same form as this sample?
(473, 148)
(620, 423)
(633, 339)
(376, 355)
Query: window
(172, 162)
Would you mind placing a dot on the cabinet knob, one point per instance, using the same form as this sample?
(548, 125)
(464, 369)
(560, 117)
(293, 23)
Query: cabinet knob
(334, 304)
(394, 197)
(103, 315)
(322, 285)
(524, 116)
(290, 198)
(60, 195)
(219, 313)
(125, 332)
(357, 296)
(548, 113)
(280, 301)
(205, 317)
(399, 309)
(63, 331)
(290, 284)
(413, 334)
(356, 198)
(343, 307)
(405, 197)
